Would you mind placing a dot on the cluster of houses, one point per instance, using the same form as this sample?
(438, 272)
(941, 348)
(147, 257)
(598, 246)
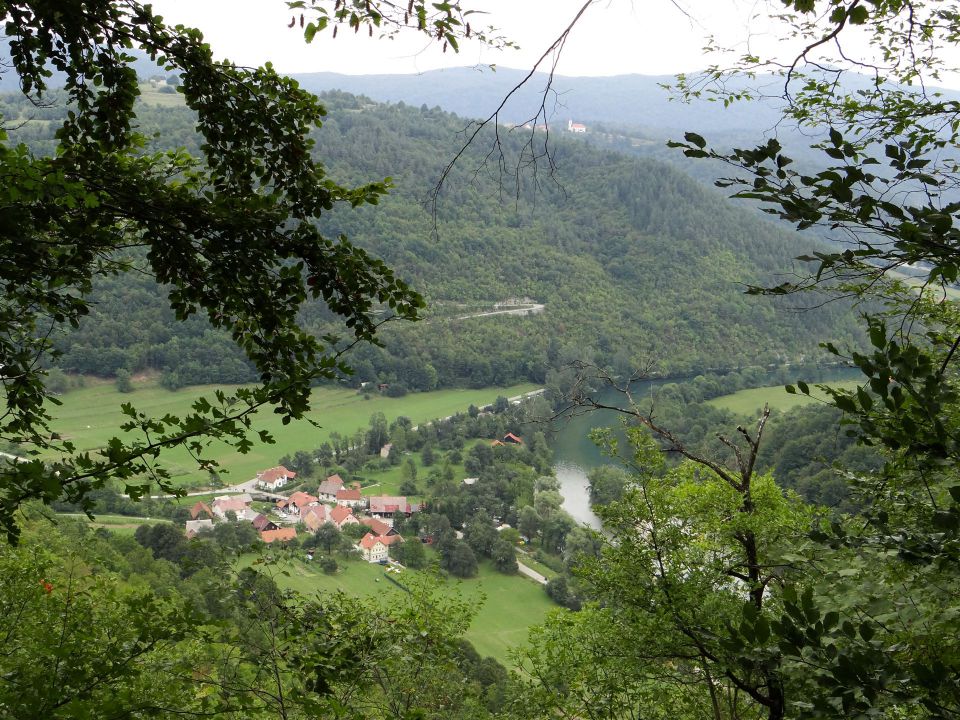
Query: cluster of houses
(334, 503)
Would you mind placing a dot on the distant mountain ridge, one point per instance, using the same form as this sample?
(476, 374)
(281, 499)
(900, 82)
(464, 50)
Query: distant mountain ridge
(637, 100)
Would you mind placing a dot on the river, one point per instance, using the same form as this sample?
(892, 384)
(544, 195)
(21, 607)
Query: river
(575, 454)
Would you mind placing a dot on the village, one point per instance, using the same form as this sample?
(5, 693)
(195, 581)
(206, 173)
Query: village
(278, 518)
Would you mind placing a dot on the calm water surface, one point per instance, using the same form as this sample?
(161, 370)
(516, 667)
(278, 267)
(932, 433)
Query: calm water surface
(575, 454)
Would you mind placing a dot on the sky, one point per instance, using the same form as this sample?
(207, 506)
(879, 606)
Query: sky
(652, 37)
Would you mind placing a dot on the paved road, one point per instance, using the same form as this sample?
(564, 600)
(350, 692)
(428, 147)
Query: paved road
(531, 573)
(250, 486)
(534, 309)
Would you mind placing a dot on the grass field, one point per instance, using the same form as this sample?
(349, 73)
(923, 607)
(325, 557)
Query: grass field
(91, 415)
(121, 524)
(749, 402)
(510, 603)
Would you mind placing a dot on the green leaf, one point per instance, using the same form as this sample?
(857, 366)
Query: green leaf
(859, 15)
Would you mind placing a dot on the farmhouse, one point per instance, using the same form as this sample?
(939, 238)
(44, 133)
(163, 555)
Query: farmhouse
(262, 522)
(314, 516)
(295, 504)
(225, 503)
(378, 527)
(329, 487)
(274, 478)
(342, 515)
(375, 548)
(576, 127)
(383, 506)
(350, 497)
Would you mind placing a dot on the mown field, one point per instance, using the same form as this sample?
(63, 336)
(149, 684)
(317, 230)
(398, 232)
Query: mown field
(749, 402)
(508, 604)
(89, 416)
(121, 524)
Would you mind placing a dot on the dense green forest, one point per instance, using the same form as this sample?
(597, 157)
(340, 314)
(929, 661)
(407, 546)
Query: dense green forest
(633, 261)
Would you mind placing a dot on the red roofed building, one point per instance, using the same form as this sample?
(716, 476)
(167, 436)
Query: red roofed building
(378, 527)
(511, 438)
(314, 516)
(223, 505)
(342, 515)
(262, 522)
(385, 506)
(375, 548)
(279, 535)
(274, 478)
(350, 497)
(297, 502)
(200, 508)
(329, 487)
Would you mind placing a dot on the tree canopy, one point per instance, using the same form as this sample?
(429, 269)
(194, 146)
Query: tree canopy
(231, 234)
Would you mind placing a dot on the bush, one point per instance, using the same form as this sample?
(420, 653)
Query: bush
(328, 565)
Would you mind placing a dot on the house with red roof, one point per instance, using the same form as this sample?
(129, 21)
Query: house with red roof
(280, 535)
(342, 515)
(329, 487)
(296, 503)
(378, 527)
(237, 505)
(200, 508)
(576, 127)
(376, 548)
(383, 506)
(274, 478)
(350, 497)
(313, 516)
(262, 522)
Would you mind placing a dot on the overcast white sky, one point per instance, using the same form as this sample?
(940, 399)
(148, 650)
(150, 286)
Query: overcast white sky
(614, 37)
(653, 37)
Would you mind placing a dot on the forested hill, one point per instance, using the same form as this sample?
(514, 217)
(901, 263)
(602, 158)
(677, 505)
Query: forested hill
(632, 260)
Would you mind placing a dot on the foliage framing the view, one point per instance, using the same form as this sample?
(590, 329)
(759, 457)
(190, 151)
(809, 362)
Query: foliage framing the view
(232, 235)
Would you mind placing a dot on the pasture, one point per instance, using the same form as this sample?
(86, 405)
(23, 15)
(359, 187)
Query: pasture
(750, 402)
(91, 415)
(507, 605)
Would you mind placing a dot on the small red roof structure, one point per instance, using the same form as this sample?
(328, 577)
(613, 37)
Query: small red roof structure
(314, 516)
(275, 473)
(330, 485)
(200, 508)
(349, 495)
(262, 522)
(302, 499)
(379, 527)
(279, 535)
(223, 505)
(369, 540)
(386, 505)
(341, 514)
(511, 438)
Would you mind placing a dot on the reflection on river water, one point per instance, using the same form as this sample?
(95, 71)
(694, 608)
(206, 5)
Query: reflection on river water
(575, 489)
(575, 454)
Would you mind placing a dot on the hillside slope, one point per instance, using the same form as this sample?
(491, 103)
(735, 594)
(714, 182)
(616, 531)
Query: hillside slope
(632, 260)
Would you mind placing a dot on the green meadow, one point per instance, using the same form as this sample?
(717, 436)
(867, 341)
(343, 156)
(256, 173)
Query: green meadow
(121, 524)
(749, 402)
(89, 416)
(506, 605)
